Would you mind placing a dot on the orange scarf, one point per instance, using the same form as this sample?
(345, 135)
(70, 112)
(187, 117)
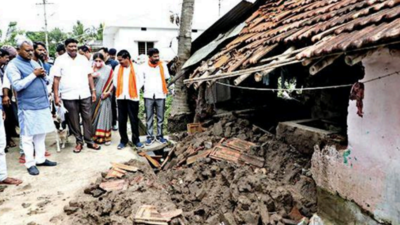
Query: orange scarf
(164, 84)
(132, 82)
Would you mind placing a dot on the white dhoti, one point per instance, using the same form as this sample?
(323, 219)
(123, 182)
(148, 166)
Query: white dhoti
(34, 145)
(3, 165)
(34, 126)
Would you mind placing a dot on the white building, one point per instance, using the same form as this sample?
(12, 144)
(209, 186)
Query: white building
(139, 34)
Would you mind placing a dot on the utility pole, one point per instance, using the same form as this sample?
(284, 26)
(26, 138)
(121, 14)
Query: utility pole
(45, 3)
(219, 8)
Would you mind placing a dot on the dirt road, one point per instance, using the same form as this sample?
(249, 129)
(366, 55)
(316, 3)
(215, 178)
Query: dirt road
(41, 199)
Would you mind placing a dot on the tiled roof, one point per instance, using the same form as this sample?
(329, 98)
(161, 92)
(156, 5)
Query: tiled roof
(325, 26)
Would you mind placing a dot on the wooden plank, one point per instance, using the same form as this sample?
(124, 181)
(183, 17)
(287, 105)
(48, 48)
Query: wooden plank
(112, 173)
(202, 155)
(168, 157)
(151, 160)
(124, 167)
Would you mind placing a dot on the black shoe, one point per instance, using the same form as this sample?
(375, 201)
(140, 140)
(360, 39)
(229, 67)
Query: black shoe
(47, 163)
(33, 170)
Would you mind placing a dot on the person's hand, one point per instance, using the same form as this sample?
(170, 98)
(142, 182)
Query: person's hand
(57, 101)
(39, 72)
(6, 101)
(94, 98)
(4, 115)
(105, 96)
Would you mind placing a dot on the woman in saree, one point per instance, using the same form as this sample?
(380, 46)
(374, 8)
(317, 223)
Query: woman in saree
(101, 109)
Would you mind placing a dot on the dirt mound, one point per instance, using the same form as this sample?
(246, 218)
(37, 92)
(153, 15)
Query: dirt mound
(268, 183)
(212, 191)
(120, 206)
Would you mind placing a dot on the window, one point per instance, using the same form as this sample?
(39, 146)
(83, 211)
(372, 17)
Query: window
(144, 47)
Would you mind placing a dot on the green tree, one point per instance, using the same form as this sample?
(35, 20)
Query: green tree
(99, 32)
(11, 34)
(79, 32)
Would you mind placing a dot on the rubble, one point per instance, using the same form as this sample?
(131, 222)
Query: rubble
(108, 204)
(255, 180)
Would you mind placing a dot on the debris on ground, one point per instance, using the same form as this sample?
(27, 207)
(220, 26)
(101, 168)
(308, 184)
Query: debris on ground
(246, 176)
(117, 200)
(231, 172)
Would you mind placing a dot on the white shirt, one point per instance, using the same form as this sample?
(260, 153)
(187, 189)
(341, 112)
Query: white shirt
(125, 89)
(74, 83)
(153, 82)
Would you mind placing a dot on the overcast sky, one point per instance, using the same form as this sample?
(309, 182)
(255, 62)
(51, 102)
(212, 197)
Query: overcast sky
(65, 13)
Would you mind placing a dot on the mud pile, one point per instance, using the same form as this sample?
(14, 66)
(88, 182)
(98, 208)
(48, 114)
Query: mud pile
(213, 191)
(210, 191)
(120, 206)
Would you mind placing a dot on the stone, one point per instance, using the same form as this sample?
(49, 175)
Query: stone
(264, 213)
(74, 204)
(217, 129)
(97, 193)
(276, 217)
(213, 219)
(70, 210)
(43, 203)
(228, 219)
(208, 144)
(249, 217)
(26, 205)
(263, 139)
(244, 202)
(201, 193)
(228, 132)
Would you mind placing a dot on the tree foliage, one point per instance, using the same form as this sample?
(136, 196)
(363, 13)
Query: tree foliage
(56, 36)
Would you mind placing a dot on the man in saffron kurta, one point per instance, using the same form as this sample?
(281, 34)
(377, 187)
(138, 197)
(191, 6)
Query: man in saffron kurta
(29, 80)
(127, 81)
(155, 74)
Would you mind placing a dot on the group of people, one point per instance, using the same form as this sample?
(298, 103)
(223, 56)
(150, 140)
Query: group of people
(97, 90)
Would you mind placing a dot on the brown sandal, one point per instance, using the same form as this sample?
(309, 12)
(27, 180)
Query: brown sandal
(78, 148)
(11, 181)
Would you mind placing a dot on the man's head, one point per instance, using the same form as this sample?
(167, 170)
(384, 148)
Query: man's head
(71, 47)
(104, 52)
(40, 50)
(11, 51)
(112, 52)
(60, 49)
(154, 55)
(25, 48)
(124, 58)
(85, 51)
(4, 57)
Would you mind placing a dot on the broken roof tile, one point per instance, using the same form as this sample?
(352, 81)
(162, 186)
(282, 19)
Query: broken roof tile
(347, 24)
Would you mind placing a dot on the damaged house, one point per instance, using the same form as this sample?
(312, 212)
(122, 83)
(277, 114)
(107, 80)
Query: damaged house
(323, 75)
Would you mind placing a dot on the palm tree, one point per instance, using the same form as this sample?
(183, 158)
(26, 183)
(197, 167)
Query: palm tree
(180, 110)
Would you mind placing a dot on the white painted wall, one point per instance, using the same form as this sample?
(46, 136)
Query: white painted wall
(368, 171)
(128, 38)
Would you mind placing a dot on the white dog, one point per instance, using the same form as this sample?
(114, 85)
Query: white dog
(61, 126)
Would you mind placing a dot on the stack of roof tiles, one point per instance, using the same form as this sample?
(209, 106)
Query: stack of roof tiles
(326, 26)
